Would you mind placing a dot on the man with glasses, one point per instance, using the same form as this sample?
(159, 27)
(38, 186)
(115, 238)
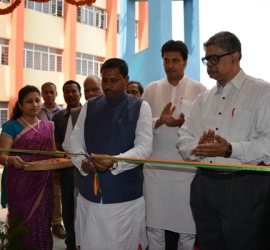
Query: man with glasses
(229, 124)
(167, 190)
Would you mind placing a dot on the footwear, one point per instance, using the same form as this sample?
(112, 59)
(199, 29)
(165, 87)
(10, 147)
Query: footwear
(59, 231)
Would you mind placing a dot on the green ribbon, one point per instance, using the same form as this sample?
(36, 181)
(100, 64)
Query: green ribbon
(153, 161)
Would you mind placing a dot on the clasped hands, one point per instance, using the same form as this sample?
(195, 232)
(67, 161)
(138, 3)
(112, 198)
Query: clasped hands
(167, 118)
(210, 145)
(95, 164)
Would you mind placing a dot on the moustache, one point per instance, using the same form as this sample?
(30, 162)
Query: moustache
(108, 91)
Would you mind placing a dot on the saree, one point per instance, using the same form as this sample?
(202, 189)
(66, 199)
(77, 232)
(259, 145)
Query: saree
(30, 194)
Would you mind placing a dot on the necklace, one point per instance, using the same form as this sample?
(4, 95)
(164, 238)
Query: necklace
(30, 124)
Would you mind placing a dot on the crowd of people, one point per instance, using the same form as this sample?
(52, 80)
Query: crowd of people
(122, 205)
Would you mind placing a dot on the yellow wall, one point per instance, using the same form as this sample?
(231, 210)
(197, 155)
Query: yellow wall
(45, 30)
(4, 82)
(90, 40)
(38, 77)
(101, 4)
(5, 20)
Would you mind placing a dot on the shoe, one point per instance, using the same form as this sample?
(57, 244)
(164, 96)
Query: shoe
(59, 231)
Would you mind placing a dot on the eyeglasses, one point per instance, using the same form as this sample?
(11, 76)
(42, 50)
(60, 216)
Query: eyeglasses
(214, 59)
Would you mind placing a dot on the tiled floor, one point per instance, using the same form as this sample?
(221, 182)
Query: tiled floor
(58, 244)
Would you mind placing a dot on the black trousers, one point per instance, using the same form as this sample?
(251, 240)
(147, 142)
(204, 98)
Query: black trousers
(67, 197)
(232, 213)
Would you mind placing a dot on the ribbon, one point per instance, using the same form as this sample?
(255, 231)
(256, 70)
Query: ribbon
(173, 163)
(176, 163)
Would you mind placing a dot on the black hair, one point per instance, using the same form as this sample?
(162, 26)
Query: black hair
(48, 84)
(225, 40)
(172, 45)
(21, 95)
(116, 63)
(72, 82)
(140, 87)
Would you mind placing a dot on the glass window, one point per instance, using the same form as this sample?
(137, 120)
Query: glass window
(42, 58)
(53, 7)
(88, 64)
(4, 51)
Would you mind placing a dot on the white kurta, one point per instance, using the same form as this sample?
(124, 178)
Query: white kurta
(167, 189)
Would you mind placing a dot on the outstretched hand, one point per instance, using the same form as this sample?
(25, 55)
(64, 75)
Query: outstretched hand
(167, 118)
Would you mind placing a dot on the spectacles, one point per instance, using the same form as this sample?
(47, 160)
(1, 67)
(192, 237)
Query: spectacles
(214, 59)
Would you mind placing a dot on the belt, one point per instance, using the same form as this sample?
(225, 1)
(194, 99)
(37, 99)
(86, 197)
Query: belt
(219, 175)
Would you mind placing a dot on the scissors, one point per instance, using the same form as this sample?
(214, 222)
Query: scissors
(88, 157)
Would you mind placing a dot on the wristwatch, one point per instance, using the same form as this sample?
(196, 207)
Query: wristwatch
(229, 151)
(114, 166)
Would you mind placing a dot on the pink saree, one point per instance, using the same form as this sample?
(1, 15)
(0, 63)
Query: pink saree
(30, 194)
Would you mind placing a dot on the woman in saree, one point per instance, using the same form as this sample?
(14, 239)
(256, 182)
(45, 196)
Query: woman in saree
(29, 193)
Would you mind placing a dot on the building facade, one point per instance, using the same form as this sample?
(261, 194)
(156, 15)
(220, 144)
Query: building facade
(56, 42)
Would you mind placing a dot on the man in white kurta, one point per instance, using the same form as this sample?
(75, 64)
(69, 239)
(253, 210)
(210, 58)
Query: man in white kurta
(167, 189)
(106, 224)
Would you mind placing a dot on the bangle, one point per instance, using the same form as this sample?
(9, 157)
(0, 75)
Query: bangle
(6, 162)
(229, 151)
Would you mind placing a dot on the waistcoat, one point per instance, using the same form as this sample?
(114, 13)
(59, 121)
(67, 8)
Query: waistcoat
(110, 129)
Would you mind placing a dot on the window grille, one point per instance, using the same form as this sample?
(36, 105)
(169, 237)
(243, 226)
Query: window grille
(88, 65)
(92, 16)
(53, 7)
(3, 113)
(4, 51)
(42, 58)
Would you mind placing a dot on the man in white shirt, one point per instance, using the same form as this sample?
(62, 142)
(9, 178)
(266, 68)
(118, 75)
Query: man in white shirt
(113, 215)
(168, 213)
(229, 124)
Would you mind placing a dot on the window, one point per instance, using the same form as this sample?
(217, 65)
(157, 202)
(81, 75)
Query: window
(42, 58)
(88, 65)
(92, 16)
(136, 28)
(53, 7)
(3, 113)
(118, 24)
(4, 51)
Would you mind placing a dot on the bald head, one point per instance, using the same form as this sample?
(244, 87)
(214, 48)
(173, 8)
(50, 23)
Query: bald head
(92, 87)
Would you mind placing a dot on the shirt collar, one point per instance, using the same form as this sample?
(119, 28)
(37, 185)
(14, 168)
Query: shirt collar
(56, 107)
(237, 82)
(117, 100)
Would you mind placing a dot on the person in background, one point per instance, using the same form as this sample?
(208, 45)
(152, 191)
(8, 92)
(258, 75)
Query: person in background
(72, 96)
(169, 219)
(115, 124)
(92, 88)
(29, 193)
(231, 208)
(134, 88)
(48, 109)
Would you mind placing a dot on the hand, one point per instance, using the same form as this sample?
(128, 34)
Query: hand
(175, 122)
(88, 167)
(101, 165)
(16, 161)
(213, 149)
(167, 111)
(207, 137)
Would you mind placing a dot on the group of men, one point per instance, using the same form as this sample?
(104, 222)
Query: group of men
(175, 118)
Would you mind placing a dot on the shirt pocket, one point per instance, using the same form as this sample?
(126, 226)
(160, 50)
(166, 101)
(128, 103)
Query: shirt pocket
(240, 125)
(185, 107)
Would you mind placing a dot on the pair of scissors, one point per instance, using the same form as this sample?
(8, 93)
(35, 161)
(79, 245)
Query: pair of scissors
(88, 157)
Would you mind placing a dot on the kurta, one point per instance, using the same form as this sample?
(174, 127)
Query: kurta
(167, 190)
